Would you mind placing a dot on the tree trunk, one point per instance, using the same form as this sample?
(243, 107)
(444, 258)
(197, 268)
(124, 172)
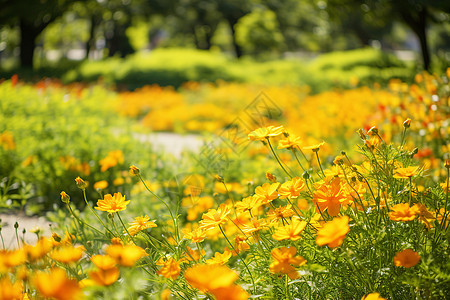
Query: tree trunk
(28, 35)
(237, 48)
(418, 24)
(91, 41)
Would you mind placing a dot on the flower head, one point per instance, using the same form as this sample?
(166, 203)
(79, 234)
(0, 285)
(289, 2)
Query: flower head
(290, 231)
(219, 258)
(56, 285)
(263, 133)
(289, 142)
(64, 197)
(170, 269)
(267, 192)
(333, 233)
(330, 197)
(314, 148)
(112, 204)
(406, 258)
(406, 172)
(291, 188)
(373, 296)
(215, 217)
(134, 170)
(139, 224)
(81, 183)
(284, 260)
(126, 255)
(402, 212)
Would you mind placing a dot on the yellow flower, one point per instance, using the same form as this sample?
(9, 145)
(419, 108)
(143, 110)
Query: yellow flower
(10, 291)
(406, 172)
(402, 212)
(333, 233)
(219, 258)
(315, 147)
(105, 277)
(42, 247)
(64, 197)
(126, 255)
(81, 183)
(101, 185)
(290, 231)
(103, 262)
(56, 285)
(247, 204)
(291, 188)
(267, 192)
(139, 224)
(284, 258)
(7, 141)
(134, 170)
(215, 217)
(255, 225)
(217, 280)
(171, 269)
(196, 236)
(112, 204)
(67, 254)
(289, 142)
(112, 159)
(406, 258)
(280, 212)
(373, 296)
(265, 132)
(11, 258)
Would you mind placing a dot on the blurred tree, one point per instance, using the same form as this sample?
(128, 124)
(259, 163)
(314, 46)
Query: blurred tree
(32, 17)
(416, 14)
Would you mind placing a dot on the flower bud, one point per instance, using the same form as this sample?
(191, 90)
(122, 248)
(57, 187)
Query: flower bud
(373, 131)
(271, 177)
(134, 170)
(407, 123)
(362, 135)
(218, 178)
(81, 184)
(305, 175)
(447, 163)
(64, 197)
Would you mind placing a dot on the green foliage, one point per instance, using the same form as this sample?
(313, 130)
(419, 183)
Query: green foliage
(61, 134)
(176, 66)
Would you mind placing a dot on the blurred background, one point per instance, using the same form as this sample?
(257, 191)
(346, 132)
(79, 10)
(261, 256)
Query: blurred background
(57, 37)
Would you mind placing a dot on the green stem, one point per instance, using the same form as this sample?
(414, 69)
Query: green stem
(243, 261)
(175, 223)
(320, 165)
(80, 221)
(444, 217)
(93, 211)
(298, 161)
(126, 229)
(1, 236)
(276, 157)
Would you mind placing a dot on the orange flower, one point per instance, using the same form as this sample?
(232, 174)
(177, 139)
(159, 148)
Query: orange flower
(267, 192)
(112, 204)
(68, 254)
(126, 255)
(284, 258)
(263, 133)
(139, 224)
(406, 258)
(373, 296)
(280, 212)
(193, 255)
(217, 280)
(7, 141)
(171, 269)
(134, 170)
(214, 217)
(8, 290)
(56, 285)
(42, 247)
(219, 258)
(113, 158)
(402, 212)
(291, 231)
(64, 197)
(333, 233)
(291, 188)
(330, 197)
(103, 262)
(11, 258)
(105, 277)
(406, 172)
